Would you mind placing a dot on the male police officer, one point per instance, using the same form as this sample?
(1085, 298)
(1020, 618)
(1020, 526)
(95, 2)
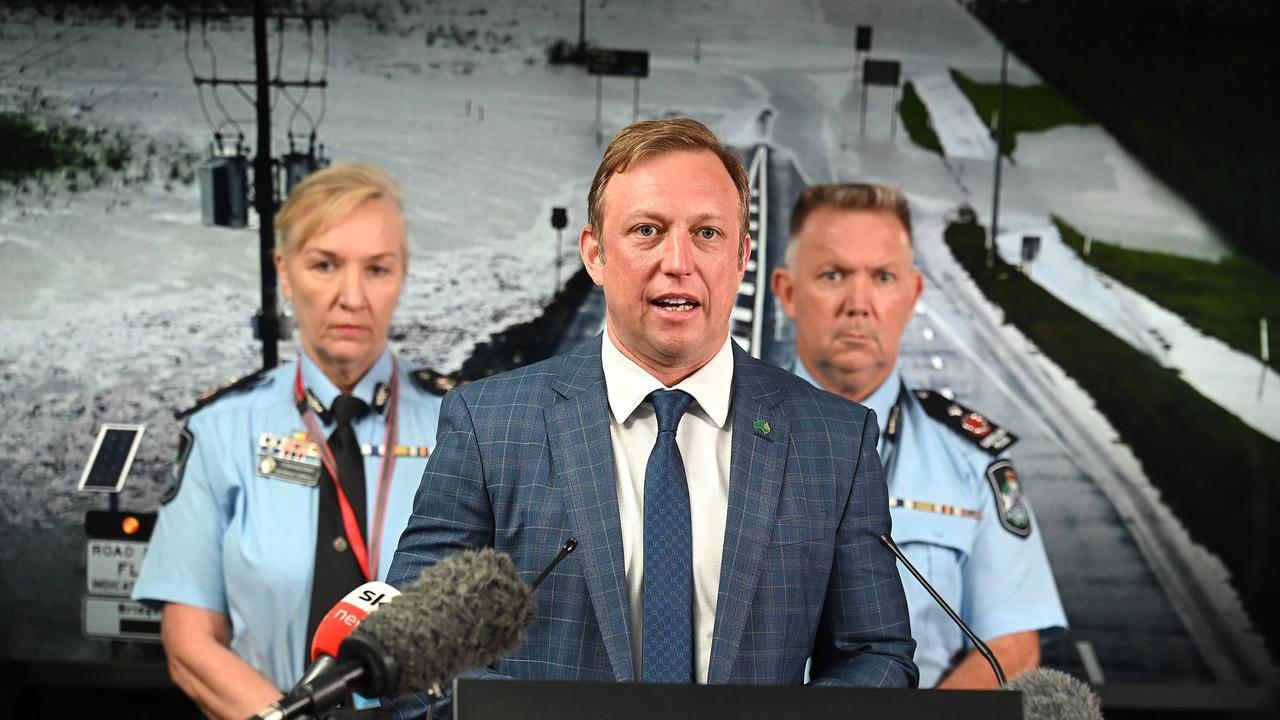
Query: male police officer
(850, 288)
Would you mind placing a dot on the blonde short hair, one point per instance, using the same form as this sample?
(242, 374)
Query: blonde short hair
(646, 138)
(852, 197)
(327, 196)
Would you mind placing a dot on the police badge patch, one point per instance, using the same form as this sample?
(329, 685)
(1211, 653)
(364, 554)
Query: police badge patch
(186, 440)
(1010, 507)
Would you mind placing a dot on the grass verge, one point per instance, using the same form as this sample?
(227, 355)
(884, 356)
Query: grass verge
(34, 146)
(1215, 472)
(1027, 108)
(915, 118)
(1224, 299)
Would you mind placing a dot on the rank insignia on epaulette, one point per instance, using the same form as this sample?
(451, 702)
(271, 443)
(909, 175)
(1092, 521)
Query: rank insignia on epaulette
(969, 424)
(284, 457)
(309, 400)
(208, 396)
(1010, 506)
(381, 394)
(434, 382)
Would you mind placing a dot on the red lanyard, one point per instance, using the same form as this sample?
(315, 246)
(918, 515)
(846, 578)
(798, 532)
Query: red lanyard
(368, 566)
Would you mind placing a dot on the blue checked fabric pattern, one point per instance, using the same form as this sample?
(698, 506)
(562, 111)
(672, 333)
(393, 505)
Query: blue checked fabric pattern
(667, 653)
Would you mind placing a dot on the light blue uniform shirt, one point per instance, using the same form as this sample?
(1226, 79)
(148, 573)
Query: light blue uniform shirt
(998, 582)
(240, 543)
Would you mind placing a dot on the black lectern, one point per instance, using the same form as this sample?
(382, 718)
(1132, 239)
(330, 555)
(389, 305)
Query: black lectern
(522, 700)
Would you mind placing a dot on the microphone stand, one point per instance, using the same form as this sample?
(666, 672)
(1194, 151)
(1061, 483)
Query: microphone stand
(973, 637)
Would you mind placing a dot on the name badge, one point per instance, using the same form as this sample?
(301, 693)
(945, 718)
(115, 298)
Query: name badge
(289, 458)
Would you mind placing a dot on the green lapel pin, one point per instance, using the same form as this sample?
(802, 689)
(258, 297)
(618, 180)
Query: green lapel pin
(762, 426)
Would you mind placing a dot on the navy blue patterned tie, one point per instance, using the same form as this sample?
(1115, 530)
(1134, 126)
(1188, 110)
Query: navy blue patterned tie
(667, 654)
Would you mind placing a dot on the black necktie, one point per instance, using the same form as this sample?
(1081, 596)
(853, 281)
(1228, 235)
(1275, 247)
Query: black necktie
(337, 571)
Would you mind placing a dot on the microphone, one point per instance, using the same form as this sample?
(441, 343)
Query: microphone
(569, 546)
(338, 623)
(465, 612)
(973, 637)
(1054, 695)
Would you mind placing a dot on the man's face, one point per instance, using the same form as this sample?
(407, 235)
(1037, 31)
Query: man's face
(344, 284)
(850, 291)
(670, 268)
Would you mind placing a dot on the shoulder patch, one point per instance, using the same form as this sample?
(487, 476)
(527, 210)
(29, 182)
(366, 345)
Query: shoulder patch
(971, 425)
(186, 440)
(1010, 507)
(434, 382)
(211, 395)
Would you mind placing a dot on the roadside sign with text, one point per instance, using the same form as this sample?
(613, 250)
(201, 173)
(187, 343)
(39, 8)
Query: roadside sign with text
(114, 550)
(627, 63)
(115, 618)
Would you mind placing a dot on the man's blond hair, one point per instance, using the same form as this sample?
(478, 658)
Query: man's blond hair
(647, 138)
(326, 197)
(852, 197)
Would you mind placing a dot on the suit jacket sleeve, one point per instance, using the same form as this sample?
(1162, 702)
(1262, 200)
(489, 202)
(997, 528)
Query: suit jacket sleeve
(864, 633)
(451, 513)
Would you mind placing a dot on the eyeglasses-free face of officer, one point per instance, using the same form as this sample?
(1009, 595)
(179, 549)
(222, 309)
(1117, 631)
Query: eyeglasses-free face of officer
(344, 284)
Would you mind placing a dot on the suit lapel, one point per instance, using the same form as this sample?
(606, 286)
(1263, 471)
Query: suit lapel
(755, 481)
(583, 468)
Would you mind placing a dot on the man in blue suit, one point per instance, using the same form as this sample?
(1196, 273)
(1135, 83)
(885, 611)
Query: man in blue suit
(726, 512)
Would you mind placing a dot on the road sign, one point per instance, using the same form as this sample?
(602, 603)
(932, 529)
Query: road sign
(1030, 248)
(114, 618)
(862, 38)
(113, 566)
(116, 545)
(881, 72)
(627, 63)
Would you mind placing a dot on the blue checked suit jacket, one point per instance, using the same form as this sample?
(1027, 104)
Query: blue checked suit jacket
(524, 461)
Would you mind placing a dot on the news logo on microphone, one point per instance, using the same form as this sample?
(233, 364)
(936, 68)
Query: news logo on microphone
(346, 614)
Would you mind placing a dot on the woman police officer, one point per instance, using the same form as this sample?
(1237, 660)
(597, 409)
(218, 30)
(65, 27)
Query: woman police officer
(295, 483)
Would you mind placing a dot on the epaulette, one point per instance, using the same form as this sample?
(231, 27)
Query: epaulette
(434, 382)
(212, 394)
(971, 425)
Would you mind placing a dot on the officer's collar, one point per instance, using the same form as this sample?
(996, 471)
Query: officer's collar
(371, 388)
(882, 399)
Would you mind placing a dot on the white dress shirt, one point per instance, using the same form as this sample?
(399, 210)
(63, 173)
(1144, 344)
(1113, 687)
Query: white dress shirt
(705, 438)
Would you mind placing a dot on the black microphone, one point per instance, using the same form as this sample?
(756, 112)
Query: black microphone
(1054, 695)
(466, 611)
(569, 546)
(973, 637)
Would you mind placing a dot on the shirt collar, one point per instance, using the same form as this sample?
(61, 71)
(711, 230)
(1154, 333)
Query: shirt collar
(881, 400)
(628, 384)
(324, 389)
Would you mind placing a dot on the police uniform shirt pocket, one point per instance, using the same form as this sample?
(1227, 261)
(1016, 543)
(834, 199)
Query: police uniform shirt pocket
(919, 526)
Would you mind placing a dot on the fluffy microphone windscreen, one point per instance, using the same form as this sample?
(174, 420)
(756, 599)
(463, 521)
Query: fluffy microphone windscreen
(1054, 695)
(465, 612)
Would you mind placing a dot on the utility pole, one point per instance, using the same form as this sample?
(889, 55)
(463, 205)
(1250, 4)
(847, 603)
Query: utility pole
(267, 324)
(264, 193)
(999, 132)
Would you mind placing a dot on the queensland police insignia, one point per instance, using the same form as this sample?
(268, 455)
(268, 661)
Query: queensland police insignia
(186, 440)
(1010, 507)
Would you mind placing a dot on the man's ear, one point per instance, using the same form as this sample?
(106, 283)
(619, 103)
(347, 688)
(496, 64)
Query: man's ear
(592, 254)
(783, 287)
